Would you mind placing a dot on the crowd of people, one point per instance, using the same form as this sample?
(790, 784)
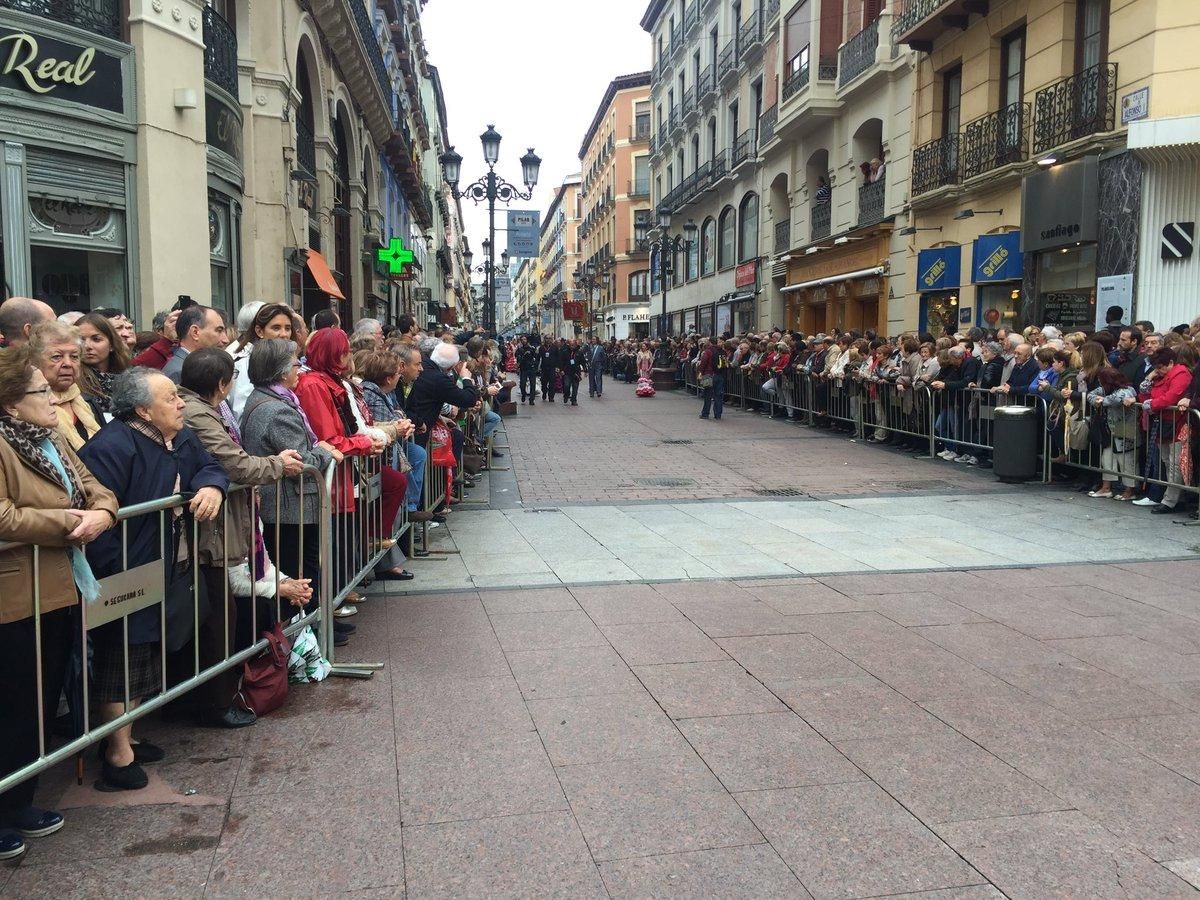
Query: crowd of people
(95, 418)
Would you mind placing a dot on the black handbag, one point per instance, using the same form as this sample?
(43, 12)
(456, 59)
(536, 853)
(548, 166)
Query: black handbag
(183, 613)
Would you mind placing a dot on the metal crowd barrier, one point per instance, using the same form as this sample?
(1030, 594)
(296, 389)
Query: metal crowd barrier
(144, 587)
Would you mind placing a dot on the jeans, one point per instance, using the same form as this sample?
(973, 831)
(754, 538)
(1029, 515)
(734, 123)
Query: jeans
(595, 381)
(570, 388)
(417, 457)
(714, 398)
(491, 422)
(548, 384)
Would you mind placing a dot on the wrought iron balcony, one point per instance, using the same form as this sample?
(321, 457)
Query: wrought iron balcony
(995, 140)
(98, 16)
(935, 165)
(673, 118)
(870, 202)
(796, 81)
(750, 33)
(220, 52)
(691, 16)
(632, 245)
(705, 84)
(727, 61)
(366, 33)
(770, 11)
(783, 236)
(639, 187)
(1074, 108)
(919, 22)
(640, 131)
(689, 101)
(827, 69)
(820, 219)
(743, 148)
(766, 125)
(718, 167)
(858, 54)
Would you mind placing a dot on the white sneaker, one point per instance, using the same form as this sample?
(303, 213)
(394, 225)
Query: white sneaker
(966, 457)
(972, 460)
(947, 455)
(1145, 501)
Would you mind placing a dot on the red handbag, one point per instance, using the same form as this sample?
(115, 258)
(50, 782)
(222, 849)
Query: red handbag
(265, 678)
(442, 447)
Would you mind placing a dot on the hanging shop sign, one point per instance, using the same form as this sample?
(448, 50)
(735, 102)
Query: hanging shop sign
(939, 269)
(1059, 205)
(573, 310)
(997, 257)
(47, 67)
(746, 275)
(395, 256)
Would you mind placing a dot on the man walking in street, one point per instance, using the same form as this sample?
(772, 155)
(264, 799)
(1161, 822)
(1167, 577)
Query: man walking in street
(527, 365)
(596, 360)
(574, 365)
(548, 366)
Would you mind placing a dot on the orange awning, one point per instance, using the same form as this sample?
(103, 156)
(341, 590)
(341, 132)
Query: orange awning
(322, 275)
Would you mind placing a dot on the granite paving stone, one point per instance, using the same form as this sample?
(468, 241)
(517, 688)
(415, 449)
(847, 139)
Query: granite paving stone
(788, 657)
(849, 708)
(662, 642)
(540, 855)
(183, 875)
(546, 630)
(571, 672)
(579, 730)
(688, 690)
(631, 604)
(853, 840)
(751, 871)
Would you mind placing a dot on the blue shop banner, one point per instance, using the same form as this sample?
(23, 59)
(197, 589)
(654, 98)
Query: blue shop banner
(997, 257)
(940, 269)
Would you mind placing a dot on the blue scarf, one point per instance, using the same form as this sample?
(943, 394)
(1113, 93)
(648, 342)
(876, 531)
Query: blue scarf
(85, 580)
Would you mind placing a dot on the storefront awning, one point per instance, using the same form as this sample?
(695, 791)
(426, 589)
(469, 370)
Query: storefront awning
(321, 274)
(1175, 139)
(845, 276)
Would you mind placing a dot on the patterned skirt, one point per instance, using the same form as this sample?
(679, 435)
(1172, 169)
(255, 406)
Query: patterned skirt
(108, 672)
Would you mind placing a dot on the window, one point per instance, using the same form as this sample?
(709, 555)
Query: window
(708, 246)
(725, 249)
(756, 92)
(748, 230)
(676, 268)
(639, 285)
(733, 122)
(656, 257)
(712, 138)
(641, 175)
(797, 34)
(1012, 68)
(951, 100)
(693, 260)
(1091, 34)
(695, 152)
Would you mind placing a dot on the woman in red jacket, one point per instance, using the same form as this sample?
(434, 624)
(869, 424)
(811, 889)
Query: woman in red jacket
(331, 410)
(1167, 383)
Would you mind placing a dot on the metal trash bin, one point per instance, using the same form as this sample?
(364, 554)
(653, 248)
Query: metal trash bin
(1014, 442)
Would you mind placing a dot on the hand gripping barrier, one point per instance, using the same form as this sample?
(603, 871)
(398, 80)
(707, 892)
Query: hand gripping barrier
(305, 545)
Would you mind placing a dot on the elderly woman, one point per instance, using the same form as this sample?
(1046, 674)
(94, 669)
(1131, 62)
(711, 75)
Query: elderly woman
(272, 321)
(56, 348)
(272, 422)
(48, 499)
(205, 383)
(144, 455)
(105, 356)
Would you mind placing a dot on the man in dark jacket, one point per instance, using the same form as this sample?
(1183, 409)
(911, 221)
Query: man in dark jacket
(527, 364)
(596, 360)
(573, 367)
(548, 366)
(1024, 370)
(436, 386)
(1129, 356)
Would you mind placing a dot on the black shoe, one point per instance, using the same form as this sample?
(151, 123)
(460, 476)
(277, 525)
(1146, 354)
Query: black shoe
(121, 778)
(340, 640)
(234, 717)
(340, 627)
(39, 823)
(143, 752)
(496, 454)
(573, 403)
(1162, 509)
(11, 845)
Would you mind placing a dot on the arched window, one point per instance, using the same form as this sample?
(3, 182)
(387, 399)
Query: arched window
(748, 230)
(726, 249)
(655, 270)
(693, 260)
(639, 285)
(708, 246)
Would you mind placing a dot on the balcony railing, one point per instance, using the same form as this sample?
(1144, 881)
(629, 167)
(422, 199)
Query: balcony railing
(366, 33)
(935, 165)
(719, 167)
(689, 100)
(663, 131)
(750, 32)
(995, 140)
(640, 131)
(1076, 107)
(727, 61)
(306, 147)
(705, 84)
(673, 118)
(99, 16)
(691, 16)
(770, 11)
(743, 148)
(870, 202)
(914, 12)
(766, 126)
(632, 245)
(858, 54)
(820, 218)
(220, 52)
(827, 69)
(796, 81)
(783, 236)
(639, 187)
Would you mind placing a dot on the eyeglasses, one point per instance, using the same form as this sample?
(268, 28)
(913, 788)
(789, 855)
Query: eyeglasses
(44, 389)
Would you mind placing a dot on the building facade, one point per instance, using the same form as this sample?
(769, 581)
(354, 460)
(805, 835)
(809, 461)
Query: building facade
(1056, 149)
(558, 258)
(223, 125)
(614, 281)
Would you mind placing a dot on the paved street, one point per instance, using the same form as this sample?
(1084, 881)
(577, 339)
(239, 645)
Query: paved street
(817, 722)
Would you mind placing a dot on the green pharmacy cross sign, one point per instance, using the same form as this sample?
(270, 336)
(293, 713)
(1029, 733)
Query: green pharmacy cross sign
(395, 256)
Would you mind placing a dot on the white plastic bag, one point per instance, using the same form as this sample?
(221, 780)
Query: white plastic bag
(306, 662)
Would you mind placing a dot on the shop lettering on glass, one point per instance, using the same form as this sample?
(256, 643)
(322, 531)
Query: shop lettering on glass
(222, 127)
(47, 67)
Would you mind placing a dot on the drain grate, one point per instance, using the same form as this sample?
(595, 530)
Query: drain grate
(543, 509)
(676, 441)
(664, 482)
(927, 485)
(779, 492)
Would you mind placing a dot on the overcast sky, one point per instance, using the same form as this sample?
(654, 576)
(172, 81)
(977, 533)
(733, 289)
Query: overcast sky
(537, 70)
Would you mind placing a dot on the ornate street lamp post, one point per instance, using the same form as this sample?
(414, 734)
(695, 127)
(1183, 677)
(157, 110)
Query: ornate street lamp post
(490, 187)
(585, 277)
(666, 246)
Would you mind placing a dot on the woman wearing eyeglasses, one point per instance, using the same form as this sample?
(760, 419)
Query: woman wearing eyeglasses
(50, 500)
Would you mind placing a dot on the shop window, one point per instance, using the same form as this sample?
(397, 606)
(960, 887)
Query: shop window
(748, 228)
(726, 248)
(74, 279)
(1067, 287)
(221, 255)
(941, 313)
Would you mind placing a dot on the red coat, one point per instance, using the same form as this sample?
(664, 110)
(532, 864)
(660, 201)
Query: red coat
(156, 355)
(782, 363)
(1165, 394)
(768, 361)
(322, 396)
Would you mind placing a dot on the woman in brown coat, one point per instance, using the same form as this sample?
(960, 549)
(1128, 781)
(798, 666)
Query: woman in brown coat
(48, 499)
